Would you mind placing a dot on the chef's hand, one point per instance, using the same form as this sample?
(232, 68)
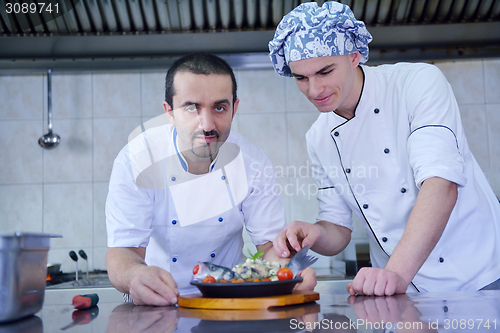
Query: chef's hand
(294, 237)
(309, 279)
(152, 285)
(377, 281)
(397, 310)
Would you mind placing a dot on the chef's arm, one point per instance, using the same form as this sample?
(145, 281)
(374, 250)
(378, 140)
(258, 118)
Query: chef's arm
(129, 273)
(121, 262)
(332, 239)
(424, 228)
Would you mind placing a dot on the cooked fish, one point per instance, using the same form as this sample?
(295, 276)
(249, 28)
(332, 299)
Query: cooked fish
(218, 272)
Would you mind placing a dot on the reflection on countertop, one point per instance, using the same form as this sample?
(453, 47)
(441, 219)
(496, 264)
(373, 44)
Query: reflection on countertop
(335, 311)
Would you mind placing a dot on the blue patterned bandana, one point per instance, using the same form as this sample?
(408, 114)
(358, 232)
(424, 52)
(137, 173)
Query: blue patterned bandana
(310, 31)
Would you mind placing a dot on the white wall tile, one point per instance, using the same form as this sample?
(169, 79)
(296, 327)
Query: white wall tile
(152, 93)
(492, 80)
(99, 257)
(68, 212)
(268, 131)
(21, 96)
(21, 156)
(298, 125)
(282, 182)
(116, 94)
(302, 193)
(20, 208)
(295, 99)
(261, 91)
(466, 79)
(358, 228)
(493, 111)
(61, 256)
(100, 195)
(475, 125)
(71, 95)
(71, 160)
(235, 123)
(110, 136)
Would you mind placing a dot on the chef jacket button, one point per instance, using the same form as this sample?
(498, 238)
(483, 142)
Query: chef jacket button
(221, 219)
(336, 133)
(376, 110)
(365, 206)
(173, 179)
(174, 221)
(441, 259)
(386, 150)
(223, 177)
(384, 239)
(403, 190)
(174, 259)
(212, 255)
(348, 170)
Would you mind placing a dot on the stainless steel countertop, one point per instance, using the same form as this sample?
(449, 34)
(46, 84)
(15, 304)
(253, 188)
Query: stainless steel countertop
(335, 311)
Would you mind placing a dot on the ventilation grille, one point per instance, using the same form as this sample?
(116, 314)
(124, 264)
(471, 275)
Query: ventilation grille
(93, 17)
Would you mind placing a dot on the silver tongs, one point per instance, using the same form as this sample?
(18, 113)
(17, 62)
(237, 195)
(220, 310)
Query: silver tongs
(301, 261)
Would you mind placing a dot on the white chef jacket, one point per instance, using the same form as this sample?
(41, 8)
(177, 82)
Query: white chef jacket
(406, 129)
(144, 205)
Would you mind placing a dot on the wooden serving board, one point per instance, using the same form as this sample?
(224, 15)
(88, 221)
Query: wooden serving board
(253, 303)
(282, 312)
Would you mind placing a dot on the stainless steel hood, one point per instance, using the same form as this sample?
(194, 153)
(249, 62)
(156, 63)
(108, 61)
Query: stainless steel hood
(142, 34)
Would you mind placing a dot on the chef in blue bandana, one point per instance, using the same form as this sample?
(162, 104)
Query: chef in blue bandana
(389, 147)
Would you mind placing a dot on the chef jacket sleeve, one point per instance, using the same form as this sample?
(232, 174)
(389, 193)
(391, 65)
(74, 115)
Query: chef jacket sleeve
(263, 208)
(434, 145)
(332, 207)
(129, 208)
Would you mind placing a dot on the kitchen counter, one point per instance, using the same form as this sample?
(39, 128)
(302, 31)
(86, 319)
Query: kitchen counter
(336, 311)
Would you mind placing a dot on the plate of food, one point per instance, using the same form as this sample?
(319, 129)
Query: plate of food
(254, 278)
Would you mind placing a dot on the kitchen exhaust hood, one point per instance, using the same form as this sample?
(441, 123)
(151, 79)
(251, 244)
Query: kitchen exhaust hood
(150, 34)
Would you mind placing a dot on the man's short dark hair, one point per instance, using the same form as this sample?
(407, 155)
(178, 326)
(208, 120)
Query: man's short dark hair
(197, 63)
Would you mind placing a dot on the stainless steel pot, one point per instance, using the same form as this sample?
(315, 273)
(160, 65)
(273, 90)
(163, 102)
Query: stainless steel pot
(23, 262)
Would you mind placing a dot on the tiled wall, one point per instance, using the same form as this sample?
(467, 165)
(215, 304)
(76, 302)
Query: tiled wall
(63, 190)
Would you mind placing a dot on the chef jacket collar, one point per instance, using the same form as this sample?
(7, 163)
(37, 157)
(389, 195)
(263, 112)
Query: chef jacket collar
(359, 108)
(182, 160)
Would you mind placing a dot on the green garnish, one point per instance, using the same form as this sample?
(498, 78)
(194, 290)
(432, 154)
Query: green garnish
(256, 255)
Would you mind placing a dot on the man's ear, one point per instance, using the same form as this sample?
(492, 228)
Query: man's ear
(169, 112)
(355, 59)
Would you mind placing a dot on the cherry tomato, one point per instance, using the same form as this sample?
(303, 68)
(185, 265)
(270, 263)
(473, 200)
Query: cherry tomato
(209, 279)
(285, 273)
(196, 269)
